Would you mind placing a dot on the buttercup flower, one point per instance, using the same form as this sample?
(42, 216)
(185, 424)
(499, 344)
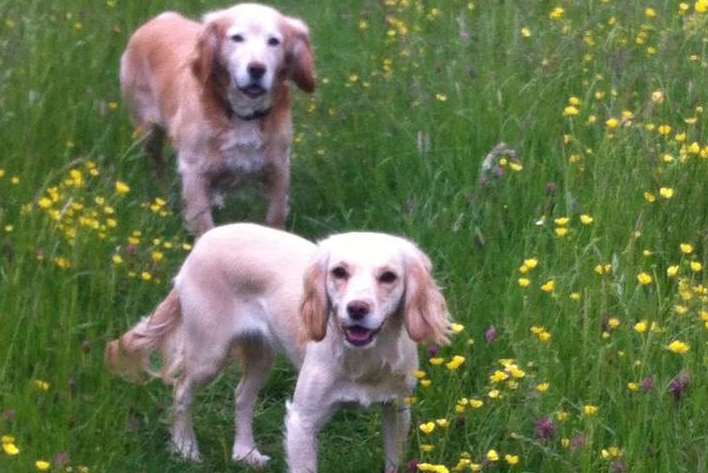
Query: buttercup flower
(686, 248)
(122, 188)
(644, 278)
(678, 347)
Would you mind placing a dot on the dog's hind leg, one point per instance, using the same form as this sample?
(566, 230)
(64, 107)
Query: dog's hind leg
(154, 141)
(256, 361)
(201, 365)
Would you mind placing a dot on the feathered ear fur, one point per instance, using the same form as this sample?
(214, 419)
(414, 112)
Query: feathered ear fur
(315, 305)
(425, 310)
(299, 59)
(205, 61)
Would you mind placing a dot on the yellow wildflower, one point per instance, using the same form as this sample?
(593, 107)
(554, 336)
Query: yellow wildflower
(549, 286)
(557, 13)
(678, 347)
(10, 449)
(492, 455)
(525, 32)
(680, 309)
(524, 282)
(612, 123)
(427, 427)
(511, 459)
(666, 192)
(590, 410)
(455, 363)
(542, 388)
(40, 385)
(570, 111)
(42, 465)
(644, 278)
(686, 248)
(531, 263)
(456, 328)
(586, 219)
(476, 403)
(122, 188)
(696, 266)
(430, 468)
(561, 231)
(641, 326)
(498, 376)
(611, 453)
(672, 271)
(436, 361)
(634, 387)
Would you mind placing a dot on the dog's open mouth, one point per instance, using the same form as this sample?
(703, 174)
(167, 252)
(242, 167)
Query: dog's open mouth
(252, 91)
(359, 336)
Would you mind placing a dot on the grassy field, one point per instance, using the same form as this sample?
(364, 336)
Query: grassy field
(574, 262)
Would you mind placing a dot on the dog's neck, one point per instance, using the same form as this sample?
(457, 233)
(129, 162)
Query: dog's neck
(236, 106)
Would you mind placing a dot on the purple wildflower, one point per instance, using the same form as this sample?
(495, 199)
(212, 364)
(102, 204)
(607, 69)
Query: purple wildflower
(679, 385)
(545, 429)
(647, 384)
(490, 334)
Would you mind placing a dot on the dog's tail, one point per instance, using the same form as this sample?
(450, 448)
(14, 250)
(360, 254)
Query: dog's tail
(129, 355)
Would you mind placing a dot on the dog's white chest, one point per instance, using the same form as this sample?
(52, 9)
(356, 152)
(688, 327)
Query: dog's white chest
(243, 149)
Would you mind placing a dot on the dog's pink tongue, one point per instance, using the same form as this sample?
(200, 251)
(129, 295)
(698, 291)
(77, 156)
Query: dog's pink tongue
(358, 334)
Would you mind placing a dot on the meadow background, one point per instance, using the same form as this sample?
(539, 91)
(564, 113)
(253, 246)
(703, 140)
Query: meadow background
(574, 260)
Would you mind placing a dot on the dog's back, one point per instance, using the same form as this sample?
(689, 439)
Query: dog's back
(155, 64)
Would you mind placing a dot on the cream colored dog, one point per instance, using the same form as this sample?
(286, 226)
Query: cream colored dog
(347, 312)
(219, 90)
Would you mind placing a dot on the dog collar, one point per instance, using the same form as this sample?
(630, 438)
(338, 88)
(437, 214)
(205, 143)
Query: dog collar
(255, 115)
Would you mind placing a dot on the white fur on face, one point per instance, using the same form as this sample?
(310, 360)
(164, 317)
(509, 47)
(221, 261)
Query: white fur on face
(364, 269)
(253, 38)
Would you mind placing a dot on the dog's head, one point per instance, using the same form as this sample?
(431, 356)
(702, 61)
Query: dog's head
(247, 50)
(368, 282)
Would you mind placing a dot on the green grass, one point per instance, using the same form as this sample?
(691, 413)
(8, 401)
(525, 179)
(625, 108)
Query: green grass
(459, 79)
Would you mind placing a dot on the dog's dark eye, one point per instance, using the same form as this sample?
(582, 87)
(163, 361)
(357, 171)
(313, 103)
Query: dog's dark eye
(237, 38)
(273, 42)
(340, 272)
(388, 277)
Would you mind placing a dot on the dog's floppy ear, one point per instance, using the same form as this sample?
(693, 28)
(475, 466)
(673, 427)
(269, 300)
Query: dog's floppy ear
(300, 62)
(204, 58)
(315, 305)
(425, 309)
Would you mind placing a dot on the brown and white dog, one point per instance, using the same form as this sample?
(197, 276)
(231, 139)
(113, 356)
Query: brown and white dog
(347, 312)
(219, 90)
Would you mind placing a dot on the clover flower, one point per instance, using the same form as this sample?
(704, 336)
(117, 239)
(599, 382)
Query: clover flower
(544, 429)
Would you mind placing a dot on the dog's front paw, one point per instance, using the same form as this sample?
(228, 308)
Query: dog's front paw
(186, 450)
(251, 457)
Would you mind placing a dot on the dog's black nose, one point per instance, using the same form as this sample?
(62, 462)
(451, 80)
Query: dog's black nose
(357, 310)
(256, 70)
